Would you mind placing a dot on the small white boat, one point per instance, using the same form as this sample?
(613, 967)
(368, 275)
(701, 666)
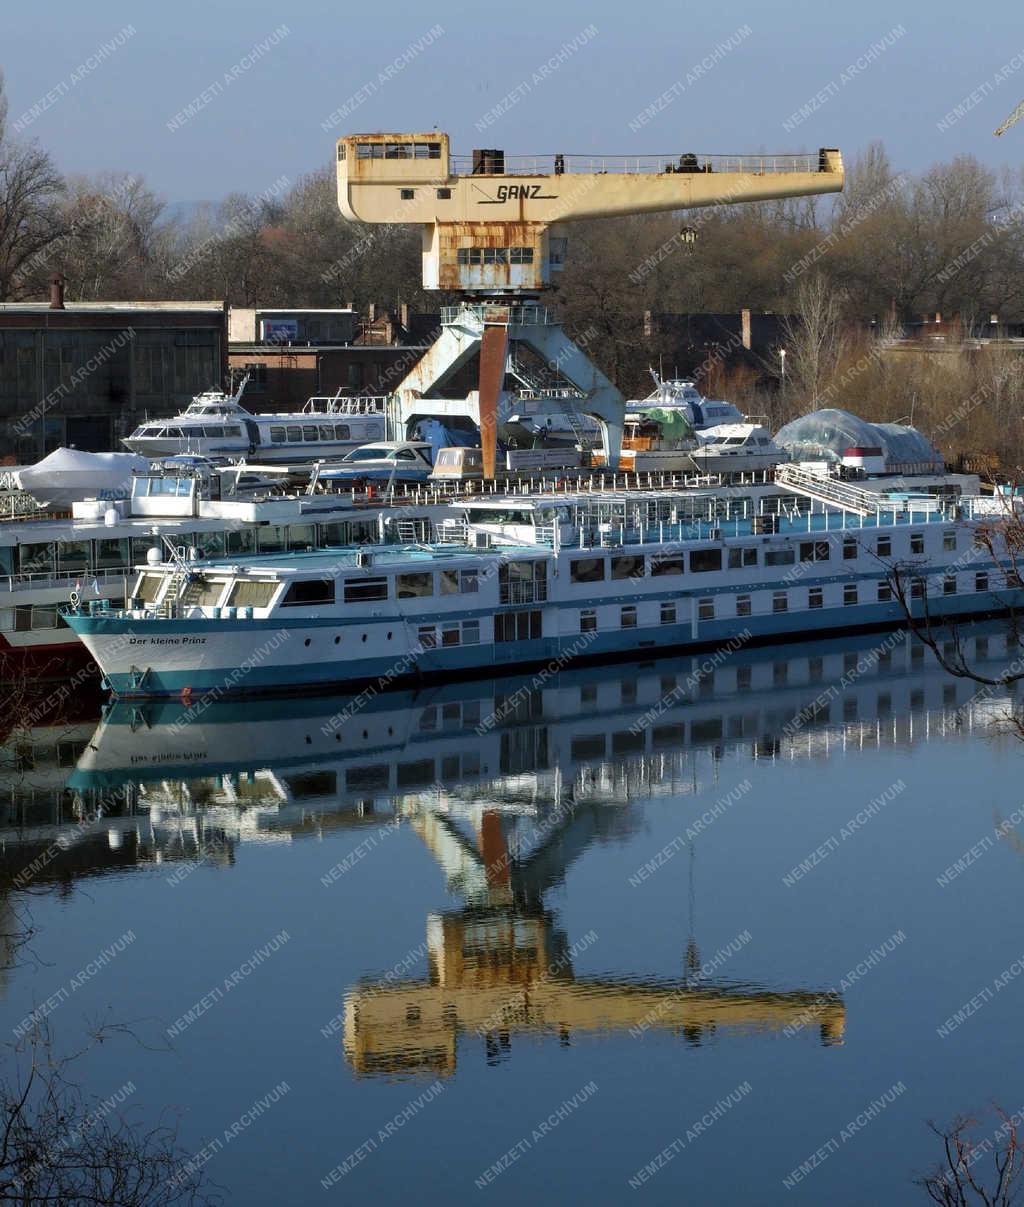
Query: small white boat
(737, 448)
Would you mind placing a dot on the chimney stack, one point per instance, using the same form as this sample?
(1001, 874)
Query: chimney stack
(403, 315)
(57, 291)
(745, 328)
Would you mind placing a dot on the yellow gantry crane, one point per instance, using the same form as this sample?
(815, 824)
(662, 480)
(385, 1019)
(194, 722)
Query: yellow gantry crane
(1012, 120)
(493, 232)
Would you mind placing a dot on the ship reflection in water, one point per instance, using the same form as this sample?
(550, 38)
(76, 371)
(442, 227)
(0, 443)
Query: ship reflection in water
(507, 783)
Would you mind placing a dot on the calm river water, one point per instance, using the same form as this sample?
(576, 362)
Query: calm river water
(656, 933)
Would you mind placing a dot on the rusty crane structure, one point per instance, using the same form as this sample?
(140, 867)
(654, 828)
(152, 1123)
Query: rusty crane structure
(494, 231)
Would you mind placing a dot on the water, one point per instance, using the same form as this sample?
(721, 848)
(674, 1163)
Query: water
(501, 942)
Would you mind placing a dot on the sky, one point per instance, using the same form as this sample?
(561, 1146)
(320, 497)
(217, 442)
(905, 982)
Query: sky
(106, 86)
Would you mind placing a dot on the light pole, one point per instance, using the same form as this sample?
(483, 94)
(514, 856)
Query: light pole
(782, 366)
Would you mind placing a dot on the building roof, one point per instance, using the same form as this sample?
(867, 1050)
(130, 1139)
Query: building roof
(107, 307)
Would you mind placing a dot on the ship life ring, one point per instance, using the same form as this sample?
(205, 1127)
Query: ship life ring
(75, 600)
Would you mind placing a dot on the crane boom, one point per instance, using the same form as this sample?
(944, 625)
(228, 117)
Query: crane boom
(1012, 120)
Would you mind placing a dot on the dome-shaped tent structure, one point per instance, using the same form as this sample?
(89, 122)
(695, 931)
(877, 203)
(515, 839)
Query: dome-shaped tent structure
(832, 434)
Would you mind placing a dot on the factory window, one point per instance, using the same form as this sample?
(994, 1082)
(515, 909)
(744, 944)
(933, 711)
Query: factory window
(884, 547)
(407, 194)
(309, 591)
(587, 570)
(628, 618)
(780, 601)
(742, 605)
(702, 560)
(917, 542)
(521, 255)
(341, 150)
(738, 558)
(398, 150)
(666, 564)
(850, 594)
(363, 590)
(628, 567)
(668, 613)
(411, 586)
(884, 591)
(588, 620)
(815, 597)
(705, 609)
(495, 255)
(444, 194)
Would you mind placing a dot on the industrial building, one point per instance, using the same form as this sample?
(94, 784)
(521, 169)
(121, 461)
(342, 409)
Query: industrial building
(85, 373)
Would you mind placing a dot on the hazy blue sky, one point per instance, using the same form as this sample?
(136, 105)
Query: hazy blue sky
(264, 120)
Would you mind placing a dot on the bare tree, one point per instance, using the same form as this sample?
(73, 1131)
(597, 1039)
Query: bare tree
(815, 335)
(958, 1182)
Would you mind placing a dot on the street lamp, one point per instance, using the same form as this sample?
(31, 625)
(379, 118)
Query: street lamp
(782, 366)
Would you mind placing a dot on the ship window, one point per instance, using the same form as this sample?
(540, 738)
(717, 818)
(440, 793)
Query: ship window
(398, 150)
(277, 434)
(73, 555)
(442, 194)
(273, 539)
(233, 431)
(253, 593)
(374, 431)
(884, 547)
(433, 150)
(702, 560)
(628, 567)
(779, 557)
(780, 601)
(668, 613)
(295, 433)
(410, 586)
(705, 609)
(148, 587)
(666, 564)
(301, 536)
(742, 605)
(427, 637)
(471, 632)
(36, 559)
(309, 591)
(361, 590)
(450, 634)
(588, 620)
(326, 431)
(628, 618)
(949, 542)
(949, 585)
(849, 548)
(849, 594)
(175, 432)
(981, 581)
(203, 591)
(455, 581)
(917, 542)
(517, 626)
(814, 551)
(309, 432)
(884, 591)
(213, 433)
(742, 557)
(342, 431)
(587, 570)
(44, 617)
(815, 597)
(407, 194)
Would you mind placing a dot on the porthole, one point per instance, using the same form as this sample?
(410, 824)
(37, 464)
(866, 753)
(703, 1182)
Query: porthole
(337, 640)
(306, 641)
(364, 636)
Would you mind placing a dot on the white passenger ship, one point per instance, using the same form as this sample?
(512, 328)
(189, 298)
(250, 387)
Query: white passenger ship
(216, 424)
(530, 580)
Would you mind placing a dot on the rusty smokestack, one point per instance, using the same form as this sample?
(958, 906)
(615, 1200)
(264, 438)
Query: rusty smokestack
(57, 291)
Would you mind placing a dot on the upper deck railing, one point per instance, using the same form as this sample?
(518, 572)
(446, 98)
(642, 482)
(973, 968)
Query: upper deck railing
(557, 165)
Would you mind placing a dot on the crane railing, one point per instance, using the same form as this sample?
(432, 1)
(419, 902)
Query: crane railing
(554, 165)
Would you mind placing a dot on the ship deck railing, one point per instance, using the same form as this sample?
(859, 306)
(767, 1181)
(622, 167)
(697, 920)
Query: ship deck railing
(366, 404)
(43, 579)
(669, 162)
